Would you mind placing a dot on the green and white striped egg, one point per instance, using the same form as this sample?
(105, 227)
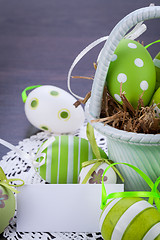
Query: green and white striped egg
(64, 159)
(130, 219)
(7, 207)
(157, 67)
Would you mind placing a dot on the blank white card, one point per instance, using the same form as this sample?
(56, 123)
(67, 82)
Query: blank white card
(61, 207)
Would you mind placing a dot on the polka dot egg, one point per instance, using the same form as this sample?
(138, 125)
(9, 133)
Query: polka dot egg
(130, 219)
(132, 66)
(51, 108)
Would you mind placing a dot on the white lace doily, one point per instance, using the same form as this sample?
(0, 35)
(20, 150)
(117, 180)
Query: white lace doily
(15, 167)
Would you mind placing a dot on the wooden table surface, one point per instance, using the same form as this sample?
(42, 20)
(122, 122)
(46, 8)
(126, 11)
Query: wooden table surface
(38, 43)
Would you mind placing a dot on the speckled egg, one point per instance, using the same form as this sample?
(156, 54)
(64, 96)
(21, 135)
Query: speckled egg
(7, 207)
(156, 102)
(130, 219)
(64, 158)
(157, 67)
(51, 108)
(87, 176)
(133, 66)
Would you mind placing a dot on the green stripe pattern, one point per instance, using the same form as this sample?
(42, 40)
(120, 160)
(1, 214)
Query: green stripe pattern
(143, 156)
(137, 228)
(64, 158)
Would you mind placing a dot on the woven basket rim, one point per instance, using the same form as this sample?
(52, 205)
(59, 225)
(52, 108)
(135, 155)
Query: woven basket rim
(122, 135)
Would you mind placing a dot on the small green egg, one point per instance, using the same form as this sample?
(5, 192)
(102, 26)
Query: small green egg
(156, 101)
(157, 67)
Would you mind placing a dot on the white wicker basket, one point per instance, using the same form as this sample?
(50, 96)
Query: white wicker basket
(141, 150)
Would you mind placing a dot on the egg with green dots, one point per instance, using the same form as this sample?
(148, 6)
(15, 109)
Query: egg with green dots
(133, 67)
(51, 109)
(7, 207)
(130, 219)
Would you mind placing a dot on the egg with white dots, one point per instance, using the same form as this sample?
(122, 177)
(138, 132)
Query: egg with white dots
(133, 67)
(51, 109)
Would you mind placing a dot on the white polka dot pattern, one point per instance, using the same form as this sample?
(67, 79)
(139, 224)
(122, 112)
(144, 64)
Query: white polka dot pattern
(114, 57)
(117, 97)
(122, 77)
(139, 62)
(144, 85)
(132, 45)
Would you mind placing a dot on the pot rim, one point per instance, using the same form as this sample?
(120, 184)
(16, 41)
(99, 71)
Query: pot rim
(122, 135)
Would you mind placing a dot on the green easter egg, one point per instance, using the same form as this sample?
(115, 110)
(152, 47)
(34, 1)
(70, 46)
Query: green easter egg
(157, 67)
(64, 158)
(130, 219)
(156, 101)
(131, 65)
(7, 207)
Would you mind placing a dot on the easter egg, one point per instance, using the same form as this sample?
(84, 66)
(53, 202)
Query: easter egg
(130, 219)
(157, 67)
(95, 177)
(51, 108)
(64, 158)
(132, 66)
(156, 102)
(7, 207)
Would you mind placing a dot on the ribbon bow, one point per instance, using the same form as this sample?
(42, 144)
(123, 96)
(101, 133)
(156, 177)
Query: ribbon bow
(6, 182)
(153, 195)
(31, 157)
(97, 163)
(99, 160)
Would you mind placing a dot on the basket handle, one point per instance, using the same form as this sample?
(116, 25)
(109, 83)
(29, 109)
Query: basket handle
(114, 38)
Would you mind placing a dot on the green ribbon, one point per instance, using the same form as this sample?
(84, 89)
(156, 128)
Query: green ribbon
(24, 95)
(150, 44)
(99, 160)
(153, 195)
(92, 140)
(6, 182)
(97, 163)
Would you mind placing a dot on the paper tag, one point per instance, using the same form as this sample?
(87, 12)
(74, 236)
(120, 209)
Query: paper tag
(61, 207)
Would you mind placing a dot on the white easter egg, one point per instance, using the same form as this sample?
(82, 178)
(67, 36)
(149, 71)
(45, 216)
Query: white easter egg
(96, 175)
(51, 108)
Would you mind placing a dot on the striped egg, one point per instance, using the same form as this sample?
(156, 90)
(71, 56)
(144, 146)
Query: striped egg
(64, 158)
(130, 219)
